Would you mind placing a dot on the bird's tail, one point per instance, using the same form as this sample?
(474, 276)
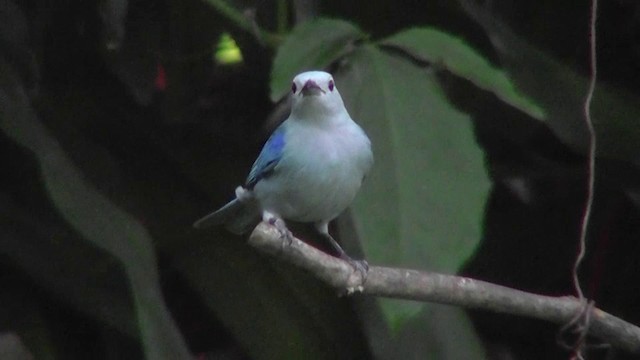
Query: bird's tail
(238, 217)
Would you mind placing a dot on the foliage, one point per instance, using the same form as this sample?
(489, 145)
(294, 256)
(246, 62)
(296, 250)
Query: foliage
(118, 135)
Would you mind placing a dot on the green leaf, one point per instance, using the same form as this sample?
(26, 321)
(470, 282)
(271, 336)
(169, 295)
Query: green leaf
(227, 51)
(422, 205)
(95, 218)
(439, 332)
(615, 112)
(311, 45)
(460, 59)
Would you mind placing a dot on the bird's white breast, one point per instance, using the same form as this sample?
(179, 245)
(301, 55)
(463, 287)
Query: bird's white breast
(322, 169)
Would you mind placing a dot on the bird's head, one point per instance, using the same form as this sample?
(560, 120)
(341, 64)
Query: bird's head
(314, 93)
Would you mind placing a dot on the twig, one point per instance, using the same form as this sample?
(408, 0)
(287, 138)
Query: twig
(581, 320)
(592, 149)
(443, 289)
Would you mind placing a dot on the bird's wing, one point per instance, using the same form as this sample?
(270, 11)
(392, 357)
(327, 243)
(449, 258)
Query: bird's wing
(269, 156)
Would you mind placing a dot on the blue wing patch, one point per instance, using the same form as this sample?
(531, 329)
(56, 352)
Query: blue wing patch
(267, 160)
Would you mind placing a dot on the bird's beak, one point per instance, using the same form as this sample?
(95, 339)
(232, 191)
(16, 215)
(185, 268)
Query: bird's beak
(311, 88)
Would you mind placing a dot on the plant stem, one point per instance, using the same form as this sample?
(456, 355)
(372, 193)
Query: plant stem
(283, 16)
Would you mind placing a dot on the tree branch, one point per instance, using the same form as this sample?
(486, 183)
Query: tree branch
(444, 289)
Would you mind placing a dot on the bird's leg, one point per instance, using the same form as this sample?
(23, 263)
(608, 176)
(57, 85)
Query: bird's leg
(273, 219)
(359, 265)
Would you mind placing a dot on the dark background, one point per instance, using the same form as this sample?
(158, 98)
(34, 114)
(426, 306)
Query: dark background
(136, 102)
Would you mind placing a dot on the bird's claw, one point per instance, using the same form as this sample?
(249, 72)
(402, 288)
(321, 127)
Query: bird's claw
(282, 229)
(361, 266)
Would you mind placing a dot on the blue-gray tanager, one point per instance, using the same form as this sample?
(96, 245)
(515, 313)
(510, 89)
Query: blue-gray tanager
(309, 170)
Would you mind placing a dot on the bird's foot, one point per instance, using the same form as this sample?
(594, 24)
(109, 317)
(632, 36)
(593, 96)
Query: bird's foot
(285, 233)
(361, 266)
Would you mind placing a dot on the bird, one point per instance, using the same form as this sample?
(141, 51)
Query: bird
(309, 170)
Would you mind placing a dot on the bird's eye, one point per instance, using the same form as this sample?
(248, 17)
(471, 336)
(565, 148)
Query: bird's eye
(293, 88)
(331, 85)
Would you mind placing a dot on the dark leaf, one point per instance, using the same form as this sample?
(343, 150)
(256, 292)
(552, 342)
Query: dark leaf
(313, 45)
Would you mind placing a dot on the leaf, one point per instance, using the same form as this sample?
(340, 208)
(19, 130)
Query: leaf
(437, 47)
(615, 112)
(437, 333)
(274, 310)
(11, 347)
(95, 218)
(423, 203)
(311, 45)
(30, 336)
(79, 274)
